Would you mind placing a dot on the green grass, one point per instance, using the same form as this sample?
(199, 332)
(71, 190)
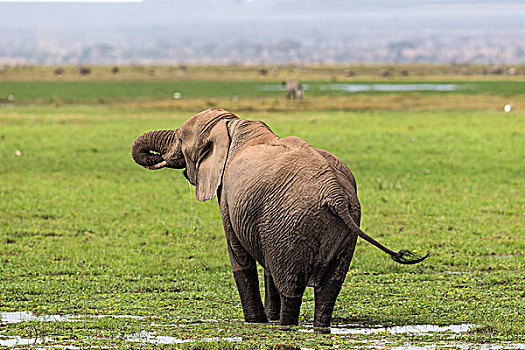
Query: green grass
(74, 91)
(84, 230)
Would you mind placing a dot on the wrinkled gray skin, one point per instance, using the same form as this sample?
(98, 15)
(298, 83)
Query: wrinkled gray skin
(285, 204)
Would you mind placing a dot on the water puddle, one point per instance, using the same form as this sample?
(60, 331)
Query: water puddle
(467, 346)
(278, 87)
(421, 328)
(389, 87)
(152, 338)
(26, 316)
(12, 341)
(353, 88)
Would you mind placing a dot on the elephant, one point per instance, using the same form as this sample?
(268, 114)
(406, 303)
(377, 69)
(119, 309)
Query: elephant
(287, 205)
(294, 90)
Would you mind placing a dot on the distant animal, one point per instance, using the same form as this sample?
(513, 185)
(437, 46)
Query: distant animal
(115, 70)
(496, 70)
(263, 72)
(294, 90)
(182, 70)
(154, 72)
(285, 204)
(84, 71)
(59, 71)
(385, 73)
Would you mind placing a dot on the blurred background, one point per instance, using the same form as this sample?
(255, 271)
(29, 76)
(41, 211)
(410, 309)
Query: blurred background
(261, 31)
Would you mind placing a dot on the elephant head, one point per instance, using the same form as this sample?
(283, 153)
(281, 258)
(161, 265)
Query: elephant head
(200, 145)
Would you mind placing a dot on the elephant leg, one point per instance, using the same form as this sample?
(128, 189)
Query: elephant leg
(244, 270)
(290, 309)
(325, 297)
(292, 298)
(328, 290)
(272, 300)
(248, 285)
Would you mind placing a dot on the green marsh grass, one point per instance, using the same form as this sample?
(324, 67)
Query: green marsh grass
(84, 230)
(92, 90)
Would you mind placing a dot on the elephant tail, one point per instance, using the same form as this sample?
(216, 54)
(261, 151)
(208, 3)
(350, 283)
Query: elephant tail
(403, 256)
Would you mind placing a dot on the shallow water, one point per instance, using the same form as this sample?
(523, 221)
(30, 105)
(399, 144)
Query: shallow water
(152, 338)
(390, 87)
(278, 87)
(370, 87)
(25, 316)
(420, 328)
(13, 341)
(341, 329)
(467, 346)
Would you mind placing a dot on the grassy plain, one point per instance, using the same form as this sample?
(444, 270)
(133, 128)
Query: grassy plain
(85, 231)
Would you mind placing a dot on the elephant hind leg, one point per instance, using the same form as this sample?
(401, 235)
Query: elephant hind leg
(290, 309)
(272, 300)
(327, 291)
(291, 298)
(325, 297)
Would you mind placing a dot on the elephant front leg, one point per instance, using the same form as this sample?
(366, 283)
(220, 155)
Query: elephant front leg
(244, 272)
(272, 300)
(248, 285)
(245, 275)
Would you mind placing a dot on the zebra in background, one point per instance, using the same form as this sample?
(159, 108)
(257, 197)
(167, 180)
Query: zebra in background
(294, 90)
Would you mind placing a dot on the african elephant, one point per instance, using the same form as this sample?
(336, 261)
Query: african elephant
(294, 90)
(285, 204)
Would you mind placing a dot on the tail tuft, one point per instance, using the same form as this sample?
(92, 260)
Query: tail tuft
(407, 257)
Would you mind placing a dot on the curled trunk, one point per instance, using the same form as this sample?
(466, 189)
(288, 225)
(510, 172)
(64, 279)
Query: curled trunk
(148, 148)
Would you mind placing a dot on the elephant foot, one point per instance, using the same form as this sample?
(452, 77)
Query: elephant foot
(323, 323)
(323, 316)
(273, 315)
(255, 319)
(290, 309)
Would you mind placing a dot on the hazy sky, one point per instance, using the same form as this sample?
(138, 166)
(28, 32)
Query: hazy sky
(22, 14)
(35, 27)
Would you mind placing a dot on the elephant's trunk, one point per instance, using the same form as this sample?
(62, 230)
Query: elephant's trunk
(149, 148)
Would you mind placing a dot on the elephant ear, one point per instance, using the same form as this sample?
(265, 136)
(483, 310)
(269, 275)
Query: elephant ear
(211, 161)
